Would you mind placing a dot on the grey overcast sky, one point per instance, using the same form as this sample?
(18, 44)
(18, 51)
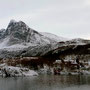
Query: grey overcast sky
(66, 18)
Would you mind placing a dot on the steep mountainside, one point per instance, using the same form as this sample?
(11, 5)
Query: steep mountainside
(71, 49)
(19, 40)
(18, 37)
(54, 37)
(20, 33)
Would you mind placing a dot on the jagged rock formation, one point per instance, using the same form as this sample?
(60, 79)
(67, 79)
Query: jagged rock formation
(71, 49)
(20, 40)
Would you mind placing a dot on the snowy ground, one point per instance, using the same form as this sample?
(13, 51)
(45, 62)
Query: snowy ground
(16, 71)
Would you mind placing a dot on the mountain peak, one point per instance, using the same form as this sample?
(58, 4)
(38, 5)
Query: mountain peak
(12, 21)
(15, 23)
(19, 33)
(15, 26)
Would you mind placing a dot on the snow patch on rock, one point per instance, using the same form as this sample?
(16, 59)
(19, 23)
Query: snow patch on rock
(16, 71)
(53, 37)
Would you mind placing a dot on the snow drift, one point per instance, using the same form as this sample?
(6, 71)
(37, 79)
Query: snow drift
(12, 71)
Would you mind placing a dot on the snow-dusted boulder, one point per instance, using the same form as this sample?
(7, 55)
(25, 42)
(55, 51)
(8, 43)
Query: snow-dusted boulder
(17, 71)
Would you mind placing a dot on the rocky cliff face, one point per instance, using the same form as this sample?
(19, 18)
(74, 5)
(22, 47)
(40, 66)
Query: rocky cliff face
(75, 48)
(20, 40)
(20, 33)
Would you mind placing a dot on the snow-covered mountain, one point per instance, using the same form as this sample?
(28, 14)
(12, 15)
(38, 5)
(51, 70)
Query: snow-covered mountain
(20, 40)
(18, 37)
(19, 34)
(54, 37)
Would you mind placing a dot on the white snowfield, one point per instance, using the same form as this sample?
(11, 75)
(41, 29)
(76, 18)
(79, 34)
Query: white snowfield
(47, 37)
(54, 37)
(16, 71)
(33, 38)
(18, 36)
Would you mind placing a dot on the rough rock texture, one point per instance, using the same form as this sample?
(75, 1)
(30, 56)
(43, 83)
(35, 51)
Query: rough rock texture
(11, 71)
(20, 40)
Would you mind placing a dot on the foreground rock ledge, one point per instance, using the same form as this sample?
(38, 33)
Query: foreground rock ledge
(11, 71)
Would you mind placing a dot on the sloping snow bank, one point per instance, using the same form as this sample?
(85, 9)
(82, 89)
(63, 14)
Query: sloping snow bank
(11, 71)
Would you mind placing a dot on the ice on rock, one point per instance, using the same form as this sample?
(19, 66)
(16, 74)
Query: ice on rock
(19, 37)
(12, 21)
(16, 71)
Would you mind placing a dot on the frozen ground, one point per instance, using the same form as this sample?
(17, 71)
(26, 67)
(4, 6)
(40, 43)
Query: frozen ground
(16, 71)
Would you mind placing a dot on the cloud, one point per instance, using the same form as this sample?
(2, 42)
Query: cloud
(69, 18)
